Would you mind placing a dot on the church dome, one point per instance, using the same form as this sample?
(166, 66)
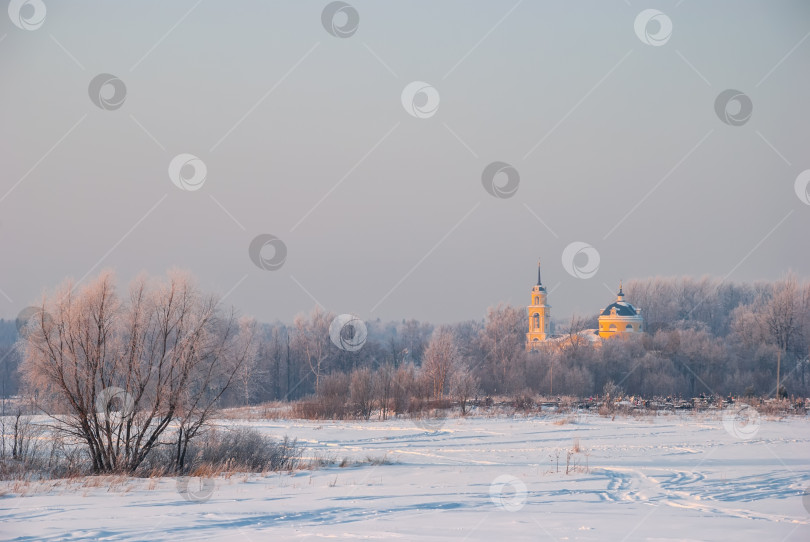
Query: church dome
(623, 308)
(620, 318)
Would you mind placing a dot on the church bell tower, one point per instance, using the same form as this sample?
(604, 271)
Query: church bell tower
(539, 315)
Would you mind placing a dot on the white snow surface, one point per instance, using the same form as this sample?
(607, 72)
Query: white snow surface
(657, 478)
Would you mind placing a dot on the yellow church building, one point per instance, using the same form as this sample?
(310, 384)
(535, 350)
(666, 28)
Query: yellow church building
(539, 314)
(619, 319)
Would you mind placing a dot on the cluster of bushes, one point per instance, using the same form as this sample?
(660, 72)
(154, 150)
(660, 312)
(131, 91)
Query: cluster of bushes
(362, 393)
(27, 452)
(34, 451)
(228, 450)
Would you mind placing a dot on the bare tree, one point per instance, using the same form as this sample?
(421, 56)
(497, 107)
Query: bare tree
(404, 384)
(362, 392)
(781, 317)
(250, 377)
(383, 387)
(574, 339)
(415, 337)
(440, 357)
(503, 340)
(275, 356)
(234, 348)
(463, 386)
(116, 373)
(312, 339)
(9, 385)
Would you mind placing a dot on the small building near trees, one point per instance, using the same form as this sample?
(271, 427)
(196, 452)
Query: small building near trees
(619, 319)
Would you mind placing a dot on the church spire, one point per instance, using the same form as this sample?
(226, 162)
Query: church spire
(539, 282)
(539, 285)
(621, 293)
(539, 314)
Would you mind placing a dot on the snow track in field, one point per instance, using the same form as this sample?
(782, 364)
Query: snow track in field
(658, 479)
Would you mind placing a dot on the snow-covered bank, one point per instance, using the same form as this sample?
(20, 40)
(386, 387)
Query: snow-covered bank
(656, 478)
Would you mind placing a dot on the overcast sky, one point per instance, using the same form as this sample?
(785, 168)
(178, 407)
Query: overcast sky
(609, 129)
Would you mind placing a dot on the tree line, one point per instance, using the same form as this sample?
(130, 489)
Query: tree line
(128, 372)
(703, 336)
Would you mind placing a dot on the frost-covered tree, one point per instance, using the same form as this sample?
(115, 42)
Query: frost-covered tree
(441, 356)
(118, 372)
(311, 339)
(383, 384)
(503, 341)
(361, 392)
(464, 386)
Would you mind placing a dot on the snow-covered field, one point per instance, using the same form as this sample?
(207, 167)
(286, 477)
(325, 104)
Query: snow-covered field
(655, 478)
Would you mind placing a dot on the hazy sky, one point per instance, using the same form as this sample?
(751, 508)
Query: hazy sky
(617, 143)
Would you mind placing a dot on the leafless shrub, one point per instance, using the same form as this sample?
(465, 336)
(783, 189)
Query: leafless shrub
(378, 460)
(431, 407)
(606, 409)
(383, 389)
(523, 402)
(564, 421)
(574, 457)
(229, 451)
(317, 461)
(361, 392)
(331, 401)
(555, 460)
(404, 386)
(38, 454)
(464, 386)
(373, 461)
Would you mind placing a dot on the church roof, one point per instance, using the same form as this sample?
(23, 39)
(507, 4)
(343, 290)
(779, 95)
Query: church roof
(539, 280)
(623, 308)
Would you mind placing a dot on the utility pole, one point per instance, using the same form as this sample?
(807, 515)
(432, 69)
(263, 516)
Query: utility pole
(778, 367)
(289, 376)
